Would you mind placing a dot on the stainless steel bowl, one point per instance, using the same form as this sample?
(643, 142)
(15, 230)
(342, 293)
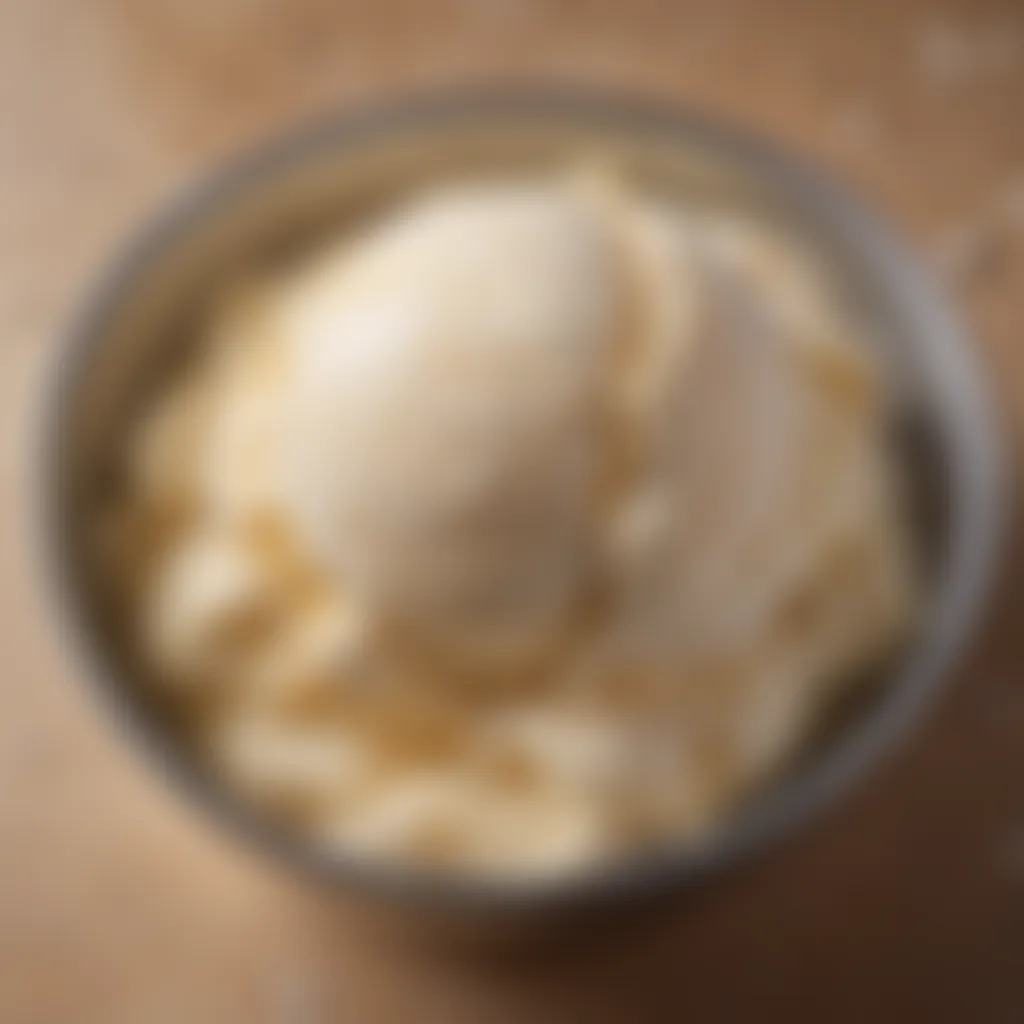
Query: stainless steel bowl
(138, 323)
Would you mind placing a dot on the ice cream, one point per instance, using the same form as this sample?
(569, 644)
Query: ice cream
(533, 524)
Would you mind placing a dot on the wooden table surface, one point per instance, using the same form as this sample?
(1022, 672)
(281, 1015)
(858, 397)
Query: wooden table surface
(905, 904)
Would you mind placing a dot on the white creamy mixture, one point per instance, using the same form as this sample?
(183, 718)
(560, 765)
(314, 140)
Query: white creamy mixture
(531, 526)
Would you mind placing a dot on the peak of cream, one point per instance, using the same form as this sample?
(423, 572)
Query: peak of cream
(442, 448)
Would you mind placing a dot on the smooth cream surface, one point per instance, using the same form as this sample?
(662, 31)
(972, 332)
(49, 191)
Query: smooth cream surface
(529, 526)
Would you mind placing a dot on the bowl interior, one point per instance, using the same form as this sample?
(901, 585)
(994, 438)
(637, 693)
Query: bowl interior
(143, 323)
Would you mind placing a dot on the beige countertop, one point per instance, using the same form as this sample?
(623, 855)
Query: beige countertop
(117, 905)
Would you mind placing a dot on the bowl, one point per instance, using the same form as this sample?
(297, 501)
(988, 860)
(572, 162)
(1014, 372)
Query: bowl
(138, 325)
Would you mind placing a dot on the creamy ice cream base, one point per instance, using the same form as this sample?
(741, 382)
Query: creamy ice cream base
(532, 525)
